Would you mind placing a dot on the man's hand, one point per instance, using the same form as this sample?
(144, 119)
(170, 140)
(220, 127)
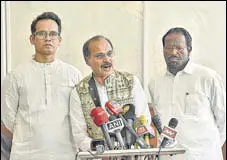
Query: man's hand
(6, 132)
(224, 151)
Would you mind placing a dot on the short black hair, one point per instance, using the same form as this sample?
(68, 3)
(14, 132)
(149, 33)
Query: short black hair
(46, 15)
(182, 31)
(86, 51)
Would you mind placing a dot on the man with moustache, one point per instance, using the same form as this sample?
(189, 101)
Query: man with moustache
(111, 84)
(35, 98)
(195, 95)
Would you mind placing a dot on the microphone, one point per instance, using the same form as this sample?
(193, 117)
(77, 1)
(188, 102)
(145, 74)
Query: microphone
(115, 109)
(135, 126)
(113, 138)
(155, 118)
(143, 131)
(100, 118)
(115, 126)
(157, 123)
(169, 132)
(129, 115)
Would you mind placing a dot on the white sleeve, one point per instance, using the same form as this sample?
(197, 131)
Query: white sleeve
(9, 101)
(218, 104)
(140, 100)
(77, 76)
(151, 88)
(78, 123)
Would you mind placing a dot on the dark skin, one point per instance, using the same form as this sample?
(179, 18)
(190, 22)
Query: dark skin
(176, 52)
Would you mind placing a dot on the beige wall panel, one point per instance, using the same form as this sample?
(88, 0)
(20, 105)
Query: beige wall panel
(123, 23)
(206, 22)
(120, 21)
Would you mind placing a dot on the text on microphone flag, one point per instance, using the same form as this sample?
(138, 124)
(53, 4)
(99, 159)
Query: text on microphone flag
(115, 124)
(169, 132)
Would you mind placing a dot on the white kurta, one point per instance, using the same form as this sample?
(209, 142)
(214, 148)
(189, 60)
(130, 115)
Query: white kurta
(35, 100)
(196, 97)
(79, 130)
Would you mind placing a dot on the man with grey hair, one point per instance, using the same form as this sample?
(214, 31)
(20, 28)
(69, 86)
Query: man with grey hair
(107, 84)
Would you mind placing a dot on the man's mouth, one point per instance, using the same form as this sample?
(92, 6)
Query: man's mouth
(173, 59)
(106, 65)
(48, 45)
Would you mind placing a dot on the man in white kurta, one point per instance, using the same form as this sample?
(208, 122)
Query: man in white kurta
(35, 102)
(193, 94)
(35, 98)
(196, 97)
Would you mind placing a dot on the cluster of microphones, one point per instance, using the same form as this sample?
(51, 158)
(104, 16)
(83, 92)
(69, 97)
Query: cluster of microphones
(123, 130)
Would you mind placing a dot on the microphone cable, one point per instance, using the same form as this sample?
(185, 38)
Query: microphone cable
(158, 155)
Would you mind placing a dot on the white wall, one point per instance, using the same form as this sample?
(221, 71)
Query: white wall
(119, 21)
(135, 29)
(205, 21)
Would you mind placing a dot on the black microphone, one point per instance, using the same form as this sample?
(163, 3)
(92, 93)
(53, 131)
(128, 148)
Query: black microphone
(157, 122)
(115, 126)
(129, 115)
(169, 132)
(115, 109)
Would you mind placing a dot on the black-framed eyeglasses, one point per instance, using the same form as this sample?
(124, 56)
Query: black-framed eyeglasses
(44, 34)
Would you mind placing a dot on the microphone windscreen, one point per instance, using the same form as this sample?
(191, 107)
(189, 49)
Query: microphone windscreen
(169, 132)
(129, 111)
(96, 111)
(99, 116)
(173, 123)
(113, 107)
(143, 120)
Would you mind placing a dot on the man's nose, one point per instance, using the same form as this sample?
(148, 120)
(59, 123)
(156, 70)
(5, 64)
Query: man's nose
(173, 51)
(47, 37)
(107, 58)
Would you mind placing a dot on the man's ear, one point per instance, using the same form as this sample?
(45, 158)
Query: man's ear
(189, 49)
(86, 60)
(32, 39)
(59, 39)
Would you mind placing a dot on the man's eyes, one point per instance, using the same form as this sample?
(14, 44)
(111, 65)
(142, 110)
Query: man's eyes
(102, 55)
